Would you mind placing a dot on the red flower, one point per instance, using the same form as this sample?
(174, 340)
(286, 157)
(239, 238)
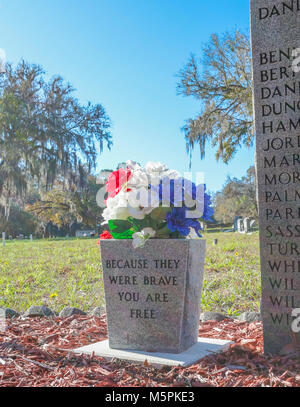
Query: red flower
(103, 236)
(116, 180)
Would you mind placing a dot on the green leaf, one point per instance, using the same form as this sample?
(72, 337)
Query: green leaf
(163, 232)
(125, 235)
(159, 213)
(119, 226)
(140, 224)
(120, 229)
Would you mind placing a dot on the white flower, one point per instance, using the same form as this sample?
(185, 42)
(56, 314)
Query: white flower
(155, 168)
(117, 207)
(138, 179)
(141, 202)
(132, 165)
(192, 234)
(136, 203)
(157, 171)
(171, 174)
(139, 238)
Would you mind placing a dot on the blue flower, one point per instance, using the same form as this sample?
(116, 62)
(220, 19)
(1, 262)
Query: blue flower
(178, 222)
(176, 192)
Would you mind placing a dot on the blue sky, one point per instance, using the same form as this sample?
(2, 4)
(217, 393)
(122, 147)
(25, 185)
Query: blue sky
(125, 54)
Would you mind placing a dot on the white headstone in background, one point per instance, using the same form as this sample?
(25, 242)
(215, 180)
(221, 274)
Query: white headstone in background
(235, 222)
(246, 225)
(240, 225)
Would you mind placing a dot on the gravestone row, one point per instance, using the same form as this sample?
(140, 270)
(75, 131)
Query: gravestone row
(245, 225)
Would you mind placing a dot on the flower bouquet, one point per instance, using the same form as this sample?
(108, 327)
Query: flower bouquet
(152, 258)
(153, 202)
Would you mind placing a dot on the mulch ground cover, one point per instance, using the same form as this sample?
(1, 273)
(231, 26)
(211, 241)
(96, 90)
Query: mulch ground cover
(35, 353)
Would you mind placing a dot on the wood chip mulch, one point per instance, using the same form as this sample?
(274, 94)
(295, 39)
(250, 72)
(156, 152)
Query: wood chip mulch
(35, 353)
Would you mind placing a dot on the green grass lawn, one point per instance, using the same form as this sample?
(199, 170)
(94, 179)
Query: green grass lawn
(232, 273)
(61, 273)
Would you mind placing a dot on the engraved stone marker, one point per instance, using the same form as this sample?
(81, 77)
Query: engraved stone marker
(275, 32)
(153, 293)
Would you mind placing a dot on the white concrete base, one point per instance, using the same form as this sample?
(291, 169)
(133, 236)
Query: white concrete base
(204, 347)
